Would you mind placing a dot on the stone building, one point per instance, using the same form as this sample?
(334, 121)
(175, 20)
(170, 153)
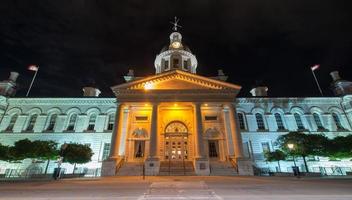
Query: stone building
(174, 122)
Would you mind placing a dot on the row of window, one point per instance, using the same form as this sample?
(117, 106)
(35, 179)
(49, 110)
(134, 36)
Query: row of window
(298, 119)
(52, 119)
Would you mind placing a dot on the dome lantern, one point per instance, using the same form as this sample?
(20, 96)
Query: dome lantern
(176, 55)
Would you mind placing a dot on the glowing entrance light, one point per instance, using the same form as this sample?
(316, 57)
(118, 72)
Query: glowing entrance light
(148, 86)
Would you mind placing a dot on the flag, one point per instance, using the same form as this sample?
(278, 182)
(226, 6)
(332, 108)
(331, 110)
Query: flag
(33, 67)
(314, 67)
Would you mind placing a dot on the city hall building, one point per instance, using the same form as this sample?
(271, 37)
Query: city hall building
(174, 122)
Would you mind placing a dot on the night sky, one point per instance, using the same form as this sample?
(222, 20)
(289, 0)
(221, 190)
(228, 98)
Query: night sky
(86, 42)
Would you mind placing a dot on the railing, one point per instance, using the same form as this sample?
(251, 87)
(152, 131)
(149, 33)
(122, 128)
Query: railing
(234, 164)
(333, 171)
(119, 165)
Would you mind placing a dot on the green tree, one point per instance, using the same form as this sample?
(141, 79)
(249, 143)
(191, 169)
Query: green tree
(4, 152)
(275, 156)
(23, 149)
(76, 154)
(45, 150)
(304, 145)
(340, 147)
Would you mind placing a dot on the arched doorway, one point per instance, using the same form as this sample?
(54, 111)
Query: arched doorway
(176, 141)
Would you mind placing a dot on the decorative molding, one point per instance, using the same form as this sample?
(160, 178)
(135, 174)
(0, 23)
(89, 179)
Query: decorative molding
(291, 100)
(63, 101)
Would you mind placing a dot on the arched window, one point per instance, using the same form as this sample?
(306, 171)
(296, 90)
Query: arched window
(72, 122)
(91, 125)
(176, 127)
(111, 122)
(279, 122)
(12, 122)
(317, 121)
(31, 122)
(260, 121)
(298, 120)
(337, 121)
(52, 122)
(241, 121)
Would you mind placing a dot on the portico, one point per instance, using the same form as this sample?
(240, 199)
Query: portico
(175, 115)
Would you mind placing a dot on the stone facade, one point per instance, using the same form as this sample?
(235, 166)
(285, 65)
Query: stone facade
(174, 115)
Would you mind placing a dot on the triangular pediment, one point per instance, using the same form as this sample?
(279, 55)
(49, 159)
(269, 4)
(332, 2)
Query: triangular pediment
(176, 80)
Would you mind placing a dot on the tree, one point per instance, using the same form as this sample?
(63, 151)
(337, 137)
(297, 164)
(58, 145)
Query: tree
(45, 150)
(275, 156)
(76, 154)
(23, 149)
(304, 145)
(340, 147)
(4, 152)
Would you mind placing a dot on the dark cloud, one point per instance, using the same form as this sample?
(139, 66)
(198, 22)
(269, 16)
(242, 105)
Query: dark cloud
(80, 42)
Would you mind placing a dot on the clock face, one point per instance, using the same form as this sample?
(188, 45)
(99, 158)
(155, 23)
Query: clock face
(176, 45)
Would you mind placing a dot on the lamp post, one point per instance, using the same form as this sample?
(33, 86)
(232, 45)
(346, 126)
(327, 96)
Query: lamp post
(291, 147)
(34, 68)
(295, 168)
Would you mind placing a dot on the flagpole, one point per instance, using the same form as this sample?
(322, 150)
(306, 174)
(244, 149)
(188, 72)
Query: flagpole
(30, 86)
(316, 80)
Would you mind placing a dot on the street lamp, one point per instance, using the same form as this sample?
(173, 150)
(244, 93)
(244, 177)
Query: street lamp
(291, 147)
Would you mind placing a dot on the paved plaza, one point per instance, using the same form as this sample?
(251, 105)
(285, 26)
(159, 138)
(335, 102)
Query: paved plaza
(181, 188)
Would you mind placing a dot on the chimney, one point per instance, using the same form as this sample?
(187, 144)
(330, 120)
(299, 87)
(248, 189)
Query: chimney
(91, 92)
(221, 75)
(260, 91)
(13, 76)
(335, 75)
(129, 76)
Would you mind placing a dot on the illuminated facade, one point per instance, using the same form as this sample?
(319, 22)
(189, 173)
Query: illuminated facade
(176, 122)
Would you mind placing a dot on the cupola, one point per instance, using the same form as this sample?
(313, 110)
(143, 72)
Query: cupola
(176, 55)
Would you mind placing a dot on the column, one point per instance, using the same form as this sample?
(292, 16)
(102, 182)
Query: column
(153, 132)
(199, 135)
(115, 138)
(228, 131)
(236, 133)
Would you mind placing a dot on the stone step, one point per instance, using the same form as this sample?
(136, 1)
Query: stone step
(131, 169)
(222, 169)
(176, 168)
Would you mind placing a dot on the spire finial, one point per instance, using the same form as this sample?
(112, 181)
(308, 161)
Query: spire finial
(175, 23)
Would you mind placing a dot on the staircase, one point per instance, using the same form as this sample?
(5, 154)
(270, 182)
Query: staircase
(176, 168)
(220, 168)
(131, 169)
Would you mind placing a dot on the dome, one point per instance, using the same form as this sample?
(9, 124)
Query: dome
(185, 48)
(175, 56)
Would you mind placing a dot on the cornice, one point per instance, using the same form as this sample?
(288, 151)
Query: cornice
(176, 74)
(292, 100)
(62, 101)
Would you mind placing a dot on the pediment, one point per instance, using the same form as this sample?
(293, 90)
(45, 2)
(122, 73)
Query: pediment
(176, 80)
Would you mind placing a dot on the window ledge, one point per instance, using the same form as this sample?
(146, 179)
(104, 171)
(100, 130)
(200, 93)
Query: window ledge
(69, 131)
(282, 130)
(89, 131)
(28, 131)
(48, 131)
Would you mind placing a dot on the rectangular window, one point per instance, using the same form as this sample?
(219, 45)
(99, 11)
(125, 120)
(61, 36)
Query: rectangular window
(211, 118)
(176, 63)
(185, 64)
(141, 118)
(166, 64)
(266, 147)
(106, 151)
(241, 121)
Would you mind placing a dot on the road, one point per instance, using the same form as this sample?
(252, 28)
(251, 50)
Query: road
(181, 188)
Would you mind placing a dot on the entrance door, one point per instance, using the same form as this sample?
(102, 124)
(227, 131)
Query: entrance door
(176, 147)
(213, 148)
